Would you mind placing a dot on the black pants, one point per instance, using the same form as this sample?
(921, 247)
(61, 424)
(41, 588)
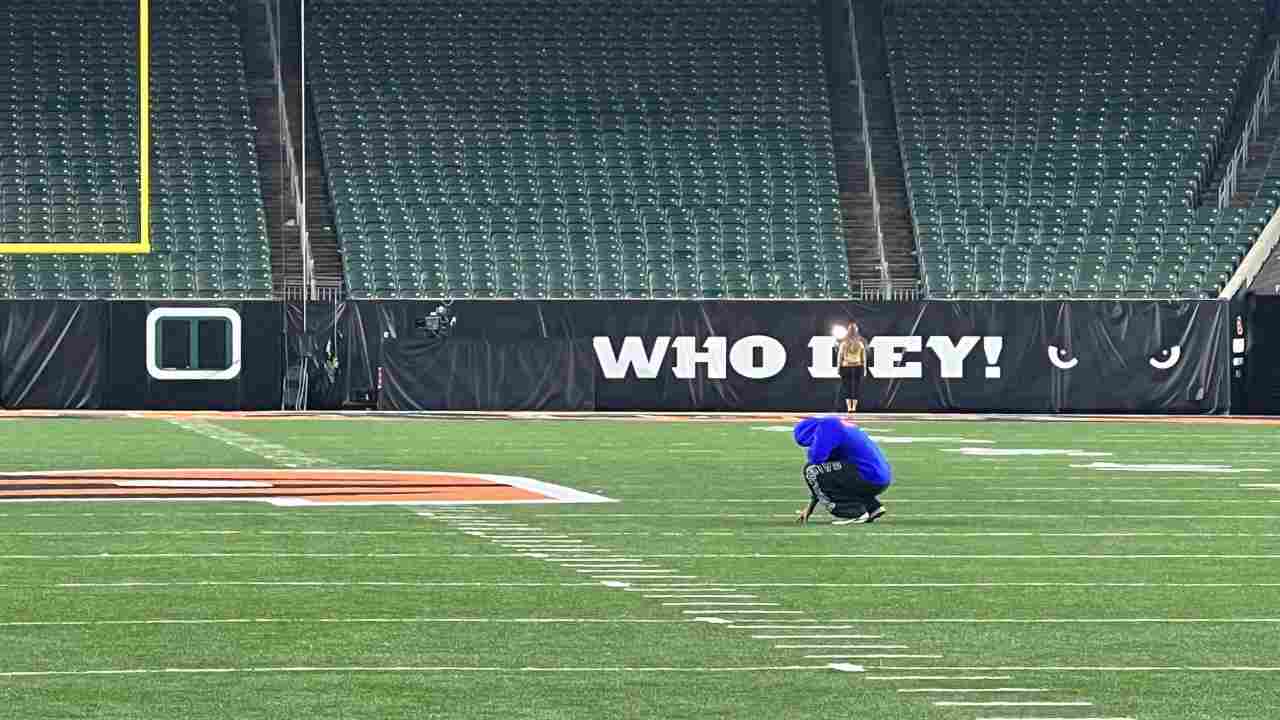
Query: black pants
(841, 489)
(851, 382)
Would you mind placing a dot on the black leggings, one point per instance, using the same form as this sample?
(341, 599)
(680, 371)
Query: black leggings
(841, 489)
(851, 382)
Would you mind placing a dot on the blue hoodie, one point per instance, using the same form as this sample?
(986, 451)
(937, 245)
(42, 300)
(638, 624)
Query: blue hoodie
(827, 438)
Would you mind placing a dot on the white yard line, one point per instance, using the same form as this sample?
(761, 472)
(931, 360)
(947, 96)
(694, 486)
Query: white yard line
(1056, 621)
(743, 612)
(337, 621)
(811, 534)
(260, 555)
(899, 678)
(1086, 669)
(302, 584)
(928, 556)
(612, 517)
(974, 690)
(731, 596)
(963, 501)
(416, 669)
(1055, 718)
(872, 656)
(278, 454)
(1010, 703)
(988, 585)
(824, 636)
(843, 647)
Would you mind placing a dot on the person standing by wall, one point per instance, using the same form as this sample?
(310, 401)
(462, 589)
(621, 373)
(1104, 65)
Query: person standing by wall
(853, 366)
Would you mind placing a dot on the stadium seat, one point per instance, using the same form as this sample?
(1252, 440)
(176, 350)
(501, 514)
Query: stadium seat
(1076, 135)
(69, 168)
(578, 149)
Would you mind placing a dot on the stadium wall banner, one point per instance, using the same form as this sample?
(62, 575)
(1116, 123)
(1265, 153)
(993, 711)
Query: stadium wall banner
(141, 355)
(1255, 349)
(1159, 357)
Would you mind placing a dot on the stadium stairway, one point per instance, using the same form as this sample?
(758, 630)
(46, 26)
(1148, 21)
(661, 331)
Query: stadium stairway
(286, 258)
(1260, 147)
(850, 155)
(326, 257)
(886, 154)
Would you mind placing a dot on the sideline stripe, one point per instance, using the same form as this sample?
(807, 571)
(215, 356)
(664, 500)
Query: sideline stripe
(339, 621)
(301, 584)
(974, 690)
(1007, 703)
(412, 669)
(160, 556)
(1024, 718)
(971, 501)
(938, 677)
(845, 656)
(1055, 621)
(278, 454)
(879, 533)
(823, 637)
(610, 517)
(992, 585)
(1068, 668)
(843, 647)
(925, 556)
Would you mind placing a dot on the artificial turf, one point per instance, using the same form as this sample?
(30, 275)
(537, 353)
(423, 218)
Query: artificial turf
(1133, 591)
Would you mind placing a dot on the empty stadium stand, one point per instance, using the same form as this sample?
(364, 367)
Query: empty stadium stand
(577, 149)
(1059, 148)
(69, 173)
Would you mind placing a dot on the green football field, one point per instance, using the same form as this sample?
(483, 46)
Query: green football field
(1025, 570)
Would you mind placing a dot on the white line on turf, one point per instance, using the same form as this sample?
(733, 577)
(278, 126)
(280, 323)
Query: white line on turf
(844, 647)
(973, 501)
(974, 690)
(753, 626)
(843, 667)
(1055, 718)
(900, 678)
(813, 535)
(745, 612)
(612, 517)
(1056, 621)
(731, 596)
(718, 603)
(985, 585)
(1068, 668)
(244, 442)
(997, 556)
(872, 656)
(1010, 703)
(337, 621)
(212, 555)
(824, 636)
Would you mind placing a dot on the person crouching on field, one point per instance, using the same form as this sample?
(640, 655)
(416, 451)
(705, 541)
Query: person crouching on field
(845, 470)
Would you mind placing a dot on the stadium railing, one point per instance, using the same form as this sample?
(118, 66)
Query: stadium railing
(1261, 108)
(866, 142)
(1253, 260)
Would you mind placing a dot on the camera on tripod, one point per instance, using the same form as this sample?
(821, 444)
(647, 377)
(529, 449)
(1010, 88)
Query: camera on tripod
(439, 322)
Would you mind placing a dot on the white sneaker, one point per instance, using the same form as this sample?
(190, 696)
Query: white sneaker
(852, 521)
(877, 514)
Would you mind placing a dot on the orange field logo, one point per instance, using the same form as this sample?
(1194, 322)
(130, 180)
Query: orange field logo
(286, 487)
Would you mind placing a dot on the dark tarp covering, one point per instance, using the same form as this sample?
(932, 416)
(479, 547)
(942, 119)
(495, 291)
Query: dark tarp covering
(52, 354)
(92, 354)
(1261, 371)
(584, 355)
(1110, 356)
